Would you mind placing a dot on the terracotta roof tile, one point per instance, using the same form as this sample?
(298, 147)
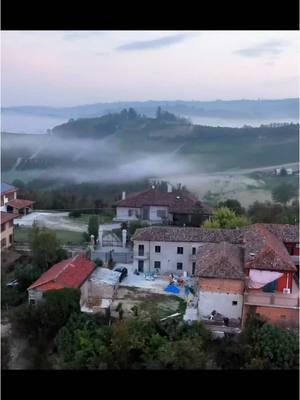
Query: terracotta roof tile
(5, 217)
(220, 260)
(187, 234)
(19, 203)
(178, 202)
(67, 273)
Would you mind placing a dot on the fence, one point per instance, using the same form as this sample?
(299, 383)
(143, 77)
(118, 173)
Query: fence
(125, 257)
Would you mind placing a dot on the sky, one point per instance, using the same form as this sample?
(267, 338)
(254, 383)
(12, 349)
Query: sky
(68, 68)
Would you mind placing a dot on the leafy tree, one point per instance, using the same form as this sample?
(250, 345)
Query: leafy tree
(93, 226)
(283, 172)
(18, 183)
(41, 322)
(283, 193)
(274, 347)
(267, 212)
(133, 226)
(26, 275)
(233, 205)
(98, 262)
(225, 218)
(45, 248)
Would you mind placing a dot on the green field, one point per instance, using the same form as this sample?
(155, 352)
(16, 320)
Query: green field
(84, 219)
(22, 234)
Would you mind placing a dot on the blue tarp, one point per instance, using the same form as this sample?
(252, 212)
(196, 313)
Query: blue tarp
(172, 289)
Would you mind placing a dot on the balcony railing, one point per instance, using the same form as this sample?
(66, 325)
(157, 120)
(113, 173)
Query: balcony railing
(141, 255)
(272, 299)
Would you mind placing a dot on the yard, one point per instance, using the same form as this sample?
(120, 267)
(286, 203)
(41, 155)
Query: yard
(147, 303)
(22, 234)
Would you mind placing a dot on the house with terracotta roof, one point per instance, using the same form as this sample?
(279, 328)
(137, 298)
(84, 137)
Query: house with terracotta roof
(11, 204)
(7, 230)
(251, 270)
(272, 274)
(220, 269)
(70, 273)
(154, 207)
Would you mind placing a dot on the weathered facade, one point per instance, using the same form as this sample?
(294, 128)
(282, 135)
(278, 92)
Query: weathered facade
(11, 204)
(7, 230)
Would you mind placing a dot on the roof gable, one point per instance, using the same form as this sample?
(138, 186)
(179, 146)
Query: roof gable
(67, 273)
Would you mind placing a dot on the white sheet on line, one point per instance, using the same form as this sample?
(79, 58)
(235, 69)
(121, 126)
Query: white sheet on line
(258, 278)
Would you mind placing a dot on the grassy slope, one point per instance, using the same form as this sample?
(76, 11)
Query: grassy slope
(22, 234)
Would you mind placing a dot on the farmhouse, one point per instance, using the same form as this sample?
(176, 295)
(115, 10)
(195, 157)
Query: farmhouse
(154, 206)
(10, 203)
(70, 273)
(251, 270)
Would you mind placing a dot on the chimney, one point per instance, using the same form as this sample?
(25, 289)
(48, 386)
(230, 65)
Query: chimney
(169, 187)
(123, 195)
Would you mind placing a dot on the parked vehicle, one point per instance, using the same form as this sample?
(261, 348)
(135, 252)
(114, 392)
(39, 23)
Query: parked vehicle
(123, 271)
(13, 283)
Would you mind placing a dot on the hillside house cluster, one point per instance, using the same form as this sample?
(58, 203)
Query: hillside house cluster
(252, 270)
(155, 207)
(11, 208)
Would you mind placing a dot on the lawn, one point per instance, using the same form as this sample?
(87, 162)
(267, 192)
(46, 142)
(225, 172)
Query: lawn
(22, 234)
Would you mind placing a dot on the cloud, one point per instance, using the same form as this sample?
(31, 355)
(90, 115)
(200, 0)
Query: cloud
(152, 44)
(79, 35)
(270, 48)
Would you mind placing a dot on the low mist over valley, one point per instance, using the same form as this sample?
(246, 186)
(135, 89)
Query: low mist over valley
(128, 147)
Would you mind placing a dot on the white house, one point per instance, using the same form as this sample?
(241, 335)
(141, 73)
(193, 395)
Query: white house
(173, 249)
(153, 206)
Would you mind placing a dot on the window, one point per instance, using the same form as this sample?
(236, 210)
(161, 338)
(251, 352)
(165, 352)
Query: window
(234, 303)
(193, 250)
(179, 266)
(141, 249)
(10, 239)
(11, 223)
(3, 227)
(179, 250)
(290, 250)
(193, 268)
(161, 213)
(32, 301)
(3, 242)
(156, 264)
(130, 213)
(157, 249)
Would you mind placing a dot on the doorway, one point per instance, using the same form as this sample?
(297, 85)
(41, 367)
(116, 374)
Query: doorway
(141, 265)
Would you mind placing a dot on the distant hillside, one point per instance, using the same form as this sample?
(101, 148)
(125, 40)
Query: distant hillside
(238, 109)
(128, 143)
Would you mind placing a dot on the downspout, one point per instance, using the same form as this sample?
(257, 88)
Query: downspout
(149, 255)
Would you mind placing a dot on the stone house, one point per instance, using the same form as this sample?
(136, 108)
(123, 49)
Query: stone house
(7, 230)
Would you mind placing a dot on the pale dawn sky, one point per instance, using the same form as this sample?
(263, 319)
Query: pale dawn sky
(66, 68)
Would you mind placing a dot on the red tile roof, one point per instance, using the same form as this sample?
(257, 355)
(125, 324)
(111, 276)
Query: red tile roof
(220, 260)
(70, 273)
(178, 202)
(5, 217)
(19, 203)
(263, 250)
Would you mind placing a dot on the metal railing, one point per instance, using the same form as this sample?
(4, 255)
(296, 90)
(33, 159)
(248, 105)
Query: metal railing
(141, 255)
(272, 299)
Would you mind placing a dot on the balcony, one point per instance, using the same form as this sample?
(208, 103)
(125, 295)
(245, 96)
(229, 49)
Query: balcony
(272, 299)
(141, 255)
